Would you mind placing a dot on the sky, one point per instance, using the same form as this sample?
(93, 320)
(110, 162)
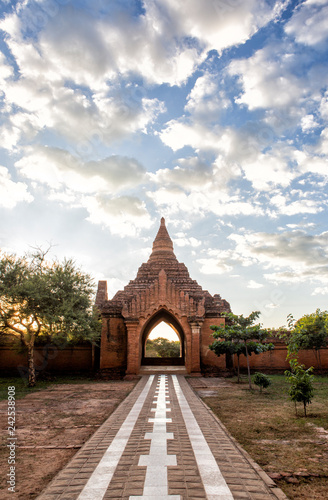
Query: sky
(212, 114)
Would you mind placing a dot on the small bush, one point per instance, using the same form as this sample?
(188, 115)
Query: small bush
(301, 385)
(263, 381)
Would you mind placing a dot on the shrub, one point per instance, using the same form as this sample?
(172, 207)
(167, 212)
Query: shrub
(301, 388)
(263, 381)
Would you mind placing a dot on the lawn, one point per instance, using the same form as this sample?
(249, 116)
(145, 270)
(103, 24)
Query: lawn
(22, 389)
(292, 449)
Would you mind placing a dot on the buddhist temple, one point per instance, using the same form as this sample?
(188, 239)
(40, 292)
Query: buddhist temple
(162, 291)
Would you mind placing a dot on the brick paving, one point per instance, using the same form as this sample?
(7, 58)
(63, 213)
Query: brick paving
(241, 479)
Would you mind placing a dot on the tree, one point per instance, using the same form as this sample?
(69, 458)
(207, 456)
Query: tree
(239, 331)
(312, 332)
(301, 387)
(163, 348)
(151, 352)
(166, 348)
(262, 380)
(309, 332)
(45, 300)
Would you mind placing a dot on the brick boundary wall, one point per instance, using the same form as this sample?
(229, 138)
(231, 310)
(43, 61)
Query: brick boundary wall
(72, 359)
(80, 358)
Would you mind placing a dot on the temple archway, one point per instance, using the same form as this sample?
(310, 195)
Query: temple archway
(158, 318)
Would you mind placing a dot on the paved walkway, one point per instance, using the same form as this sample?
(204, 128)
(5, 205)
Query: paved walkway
(161, 443)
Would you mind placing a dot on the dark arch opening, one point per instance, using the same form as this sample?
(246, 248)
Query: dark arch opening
(169, 319)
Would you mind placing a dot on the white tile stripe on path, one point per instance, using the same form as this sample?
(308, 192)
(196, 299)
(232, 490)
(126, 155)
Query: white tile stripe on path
(214, 483)
(98, 482)
(156, 483)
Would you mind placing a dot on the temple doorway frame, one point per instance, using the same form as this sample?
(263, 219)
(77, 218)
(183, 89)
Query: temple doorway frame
(162, 315)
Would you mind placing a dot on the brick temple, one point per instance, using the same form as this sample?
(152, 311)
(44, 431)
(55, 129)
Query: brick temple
(161, 291)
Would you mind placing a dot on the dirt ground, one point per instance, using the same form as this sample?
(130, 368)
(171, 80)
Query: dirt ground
(51, 426)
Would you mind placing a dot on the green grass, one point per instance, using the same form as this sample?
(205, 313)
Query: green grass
(21, 388)
(267, 427)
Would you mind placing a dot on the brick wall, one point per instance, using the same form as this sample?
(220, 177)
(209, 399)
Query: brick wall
(68, 360)
(276, 360)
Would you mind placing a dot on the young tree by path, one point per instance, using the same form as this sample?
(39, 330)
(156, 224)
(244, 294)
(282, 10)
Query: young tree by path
(38, 298)
(301, 385)
(240, 331)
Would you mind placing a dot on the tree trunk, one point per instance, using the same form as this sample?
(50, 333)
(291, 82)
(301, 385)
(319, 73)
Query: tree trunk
(248, 368)
(304, 403)
(30, 364)
(238, 368)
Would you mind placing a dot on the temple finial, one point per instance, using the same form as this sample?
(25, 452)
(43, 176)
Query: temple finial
(162, 243)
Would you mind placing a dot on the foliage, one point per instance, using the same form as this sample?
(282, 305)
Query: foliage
(309, 332)
(261, 380)
(45, 300)
(163, 348)
(240, 336)
(301, 385)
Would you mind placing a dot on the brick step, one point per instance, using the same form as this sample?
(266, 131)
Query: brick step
(165, 370)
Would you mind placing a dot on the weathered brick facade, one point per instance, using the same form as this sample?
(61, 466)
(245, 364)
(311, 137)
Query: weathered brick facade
(161, 291)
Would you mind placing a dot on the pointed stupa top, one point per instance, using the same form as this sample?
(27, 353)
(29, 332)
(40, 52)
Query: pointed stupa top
(163, 245)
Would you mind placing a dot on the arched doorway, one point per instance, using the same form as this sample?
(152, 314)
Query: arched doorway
(163, 317)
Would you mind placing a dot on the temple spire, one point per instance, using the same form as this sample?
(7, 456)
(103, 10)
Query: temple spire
(163, 245)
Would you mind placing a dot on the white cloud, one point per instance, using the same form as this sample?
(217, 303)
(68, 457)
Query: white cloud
(178, 134)
(213, 266)
(320, 290)
(324, 106)
(97, 186)
(199, 202)
(215, 24)
(268, 170)
(318, 164)
(294, 256)
(309, 23)
(206, 100)
(59, 169)
(190, 173)
(304, 205)
(254, 284)
(76, 46)
(308, 123)
(276, 87)
(72, 51)
(75, 114)
(182, 240)
(6, 70)
(12, 192)
(124, 215)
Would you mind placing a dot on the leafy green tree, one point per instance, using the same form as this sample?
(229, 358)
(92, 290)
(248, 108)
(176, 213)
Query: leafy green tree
(301, 385)
(39, 299)
(261, 380)
(150, 349)
(241, 336)
(309, 332)
(163, 348)
(312, 332)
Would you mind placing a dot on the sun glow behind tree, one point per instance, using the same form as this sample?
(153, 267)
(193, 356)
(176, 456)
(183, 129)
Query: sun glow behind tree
(165, 331)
